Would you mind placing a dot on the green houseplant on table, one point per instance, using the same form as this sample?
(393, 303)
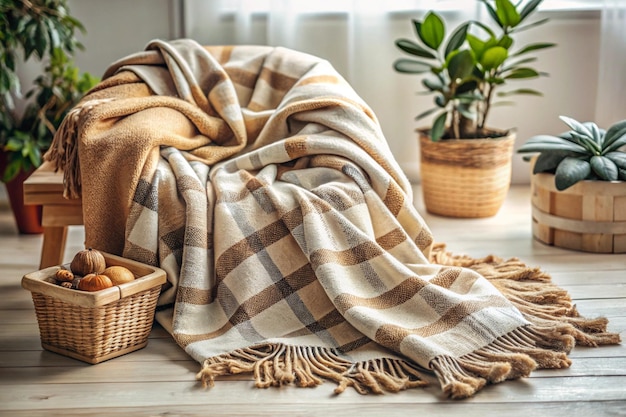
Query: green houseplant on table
(578, 187)
(45, 31)
(465, 164)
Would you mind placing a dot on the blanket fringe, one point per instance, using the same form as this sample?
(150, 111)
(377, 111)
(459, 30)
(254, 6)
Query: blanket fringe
(531, 291)
(63, 151)
(512, 356)
(276, 364)
(556, 327)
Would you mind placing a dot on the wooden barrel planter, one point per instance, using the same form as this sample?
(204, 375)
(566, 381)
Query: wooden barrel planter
(466, 178)
(589, 216)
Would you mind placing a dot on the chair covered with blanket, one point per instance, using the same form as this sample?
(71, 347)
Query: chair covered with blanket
(263, 185)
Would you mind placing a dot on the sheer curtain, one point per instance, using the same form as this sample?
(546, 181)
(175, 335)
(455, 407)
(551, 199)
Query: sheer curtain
(611, 99)
(357, 37)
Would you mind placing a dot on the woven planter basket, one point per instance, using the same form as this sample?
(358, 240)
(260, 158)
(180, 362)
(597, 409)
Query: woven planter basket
(96, 326)
(466, 178)
(589, 216)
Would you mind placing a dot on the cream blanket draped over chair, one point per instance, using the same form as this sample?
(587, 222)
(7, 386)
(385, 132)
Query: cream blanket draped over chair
(263, 185)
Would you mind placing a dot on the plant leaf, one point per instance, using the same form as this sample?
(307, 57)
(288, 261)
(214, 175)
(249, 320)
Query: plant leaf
(548, 161)
(476, 45)
(526, 91)
(506, 42)
(461, 65)
(441, 101)
(531, 25)
(433, 84)
(426, 113)
(412, 48)
(541, 143)
(493, 57)
(615, 145)
(576, 126)
(467, 111)
(411, 66)
(486, 28)
(615, 134)
(604, 167)
(515, 64)
(457, 39)
(507, 13)
(492, 12)
(534, 47)
(524, 72)
(432, 30)
(584, 140)
(503, 103)
(570, 171)
(438, 128)
(468, 90)
(596, 133)
(619, 158)
(529, 8)
(12, 169)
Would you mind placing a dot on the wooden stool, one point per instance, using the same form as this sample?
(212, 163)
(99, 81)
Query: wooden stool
(45, 187)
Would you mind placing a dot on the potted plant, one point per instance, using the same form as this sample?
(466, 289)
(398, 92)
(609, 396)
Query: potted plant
(43, 30)
(578, 187)
(463, 177)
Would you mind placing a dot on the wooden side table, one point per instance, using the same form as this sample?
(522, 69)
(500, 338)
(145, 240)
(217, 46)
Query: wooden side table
(45, 187)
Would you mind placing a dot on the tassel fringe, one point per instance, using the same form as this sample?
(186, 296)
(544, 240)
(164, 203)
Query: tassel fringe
(556, 327)
(63, 152)
(274, 365)
(532, 292)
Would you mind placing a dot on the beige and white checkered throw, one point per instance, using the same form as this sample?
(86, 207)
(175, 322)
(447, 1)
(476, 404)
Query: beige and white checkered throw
(263, 185)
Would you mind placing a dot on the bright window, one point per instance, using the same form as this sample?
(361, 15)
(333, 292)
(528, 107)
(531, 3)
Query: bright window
(339, 6)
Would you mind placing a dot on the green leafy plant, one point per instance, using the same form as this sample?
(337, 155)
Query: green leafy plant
(43, 30)
(464, 70)
(586, 152)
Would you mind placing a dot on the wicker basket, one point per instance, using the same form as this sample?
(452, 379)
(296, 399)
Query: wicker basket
(96, 326)
(466, 178)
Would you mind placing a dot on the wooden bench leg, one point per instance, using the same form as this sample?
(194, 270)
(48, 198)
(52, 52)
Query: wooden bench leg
(53, 248)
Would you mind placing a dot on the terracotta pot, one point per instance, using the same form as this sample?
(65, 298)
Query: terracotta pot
(27, 218)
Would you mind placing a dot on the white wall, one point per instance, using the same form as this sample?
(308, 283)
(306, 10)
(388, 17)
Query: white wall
(116, 28)
(119, 27)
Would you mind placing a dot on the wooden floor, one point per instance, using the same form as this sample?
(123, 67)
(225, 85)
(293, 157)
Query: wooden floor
(160, 379)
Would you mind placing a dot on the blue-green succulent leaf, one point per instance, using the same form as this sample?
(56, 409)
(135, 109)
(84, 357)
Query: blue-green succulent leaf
(604, 168)
(576, 126)
(548, 161)
(570, 171)
(615, 133)
(619, 158)
(542, 143)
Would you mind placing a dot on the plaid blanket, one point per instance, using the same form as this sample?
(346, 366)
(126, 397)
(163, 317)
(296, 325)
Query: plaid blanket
(264, 186)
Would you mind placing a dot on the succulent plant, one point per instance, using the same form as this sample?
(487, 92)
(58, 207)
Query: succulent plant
(586, 152)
